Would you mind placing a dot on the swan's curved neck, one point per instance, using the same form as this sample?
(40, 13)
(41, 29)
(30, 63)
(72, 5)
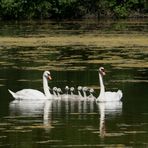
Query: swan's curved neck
(102, 88)
(79, 93)
(84, 94)
(46, 88)
(66, 92)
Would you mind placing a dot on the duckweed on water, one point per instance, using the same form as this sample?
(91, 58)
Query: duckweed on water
(112, 40)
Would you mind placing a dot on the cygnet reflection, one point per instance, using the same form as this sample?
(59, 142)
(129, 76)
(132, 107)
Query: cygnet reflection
(73, 105)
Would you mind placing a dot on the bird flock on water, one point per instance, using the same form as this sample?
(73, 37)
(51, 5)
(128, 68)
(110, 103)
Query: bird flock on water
(71, 93)
(81, 93)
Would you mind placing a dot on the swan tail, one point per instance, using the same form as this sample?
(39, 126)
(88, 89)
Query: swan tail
(12, 93)
(120, 94)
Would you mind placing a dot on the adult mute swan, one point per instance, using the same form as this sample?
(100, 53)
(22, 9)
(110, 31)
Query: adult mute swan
(107, 96)
(32, 94)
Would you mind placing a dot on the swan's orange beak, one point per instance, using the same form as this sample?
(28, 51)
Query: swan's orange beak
(103, 72)
(49, 77)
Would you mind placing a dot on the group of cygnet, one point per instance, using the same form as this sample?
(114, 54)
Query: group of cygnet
(71, 93)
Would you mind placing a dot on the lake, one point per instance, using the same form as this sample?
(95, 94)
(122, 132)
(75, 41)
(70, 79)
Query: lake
(73, 51)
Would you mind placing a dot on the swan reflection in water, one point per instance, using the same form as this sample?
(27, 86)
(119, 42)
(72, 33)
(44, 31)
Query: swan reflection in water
(31, 108)
(108, 108)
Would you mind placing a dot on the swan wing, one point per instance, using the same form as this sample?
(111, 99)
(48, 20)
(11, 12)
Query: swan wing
(29, 94)
(113, 96)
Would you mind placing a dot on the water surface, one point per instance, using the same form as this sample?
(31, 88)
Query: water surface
(74, 123)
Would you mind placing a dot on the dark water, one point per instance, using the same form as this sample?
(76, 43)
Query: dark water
(74, 123)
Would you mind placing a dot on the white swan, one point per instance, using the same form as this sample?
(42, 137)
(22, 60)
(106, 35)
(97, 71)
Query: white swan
(79, 91)
(91, 97)
(32, 94)
(72, 91)
(84, 90)
(107, 96)
(67, 89)
(80, 97)
(65, 96)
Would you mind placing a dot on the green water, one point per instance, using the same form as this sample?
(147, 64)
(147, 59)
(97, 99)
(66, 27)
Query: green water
(74, 123)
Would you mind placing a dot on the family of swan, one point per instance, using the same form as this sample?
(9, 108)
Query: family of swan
(32, 94)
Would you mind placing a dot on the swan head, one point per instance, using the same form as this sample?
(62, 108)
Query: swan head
(91, 90)
(79, 88)
(59, 90)
(102, 71)
(47, 75)
(85, 89)
(55, 88)
(72, 89)
(66, 88)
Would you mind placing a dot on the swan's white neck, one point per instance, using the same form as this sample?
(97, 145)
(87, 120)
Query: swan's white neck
(102, 88)
(79, 93)
(84, 94)
(46, 88)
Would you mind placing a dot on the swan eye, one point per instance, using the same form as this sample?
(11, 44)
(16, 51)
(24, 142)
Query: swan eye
(102, 70)
(47, 75)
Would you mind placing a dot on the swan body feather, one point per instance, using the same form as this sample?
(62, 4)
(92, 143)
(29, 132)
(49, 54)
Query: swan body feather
(28, 94)
(32, 94)
(111, 96)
